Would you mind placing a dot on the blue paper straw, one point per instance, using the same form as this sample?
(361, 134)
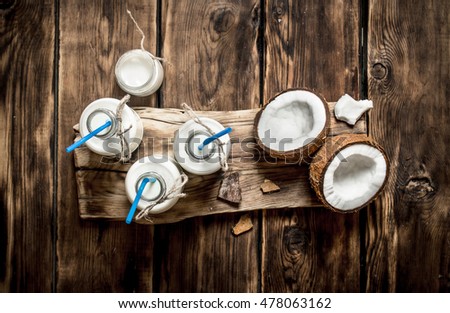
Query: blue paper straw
(88, 136)
(208, 140)
(133, 208)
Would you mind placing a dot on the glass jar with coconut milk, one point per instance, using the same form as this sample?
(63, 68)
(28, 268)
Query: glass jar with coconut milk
(188, 153)
(107, 141)
(139, 73)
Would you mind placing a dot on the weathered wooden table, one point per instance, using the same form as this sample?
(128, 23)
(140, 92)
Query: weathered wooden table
(58, 56)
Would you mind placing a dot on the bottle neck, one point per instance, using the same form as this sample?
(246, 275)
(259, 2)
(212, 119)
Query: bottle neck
(98, 118)
(194, 140)
(153, 191)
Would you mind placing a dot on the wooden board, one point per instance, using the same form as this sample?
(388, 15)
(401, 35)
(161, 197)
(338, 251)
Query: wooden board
(101, 188)
(27, 141)
(311, 43)
(97, 256)
(408, 240)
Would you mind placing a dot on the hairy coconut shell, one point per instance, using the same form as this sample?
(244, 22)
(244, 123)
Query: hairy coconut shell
(328, 152)
(301, 154)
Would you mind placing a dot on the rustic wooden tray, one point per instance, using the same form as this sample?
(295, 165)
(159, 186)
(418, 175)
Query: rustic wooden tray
(101, 181)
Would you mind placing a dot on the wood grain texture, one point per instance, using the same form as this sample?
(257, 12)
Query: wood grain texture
(213, 51)
(97, 256)
(408, 240)
(101, 186)
(309, 244)
(27, 34)
(312, 44)
(212, 55)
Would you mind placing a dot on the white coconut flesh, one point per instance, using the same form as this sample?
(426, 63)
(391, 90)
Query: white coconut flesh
(350, 110)
(354, 176)
(291, 120)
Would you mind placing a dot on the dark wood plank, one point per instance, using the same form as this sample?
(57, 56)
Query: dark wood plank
(101, 189)
(213, 51)
(312, 44)
(203, 255)
(27, 34)
(97, 256)
(301, 253)
(408, 240)
(212, 54)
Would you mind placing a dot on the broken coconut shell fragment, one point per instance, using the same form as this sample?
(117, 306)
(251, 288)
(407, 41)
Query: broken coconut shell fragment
(269, 187)
(349, 172)
(244, 225)
(293, 124)
(230, 189)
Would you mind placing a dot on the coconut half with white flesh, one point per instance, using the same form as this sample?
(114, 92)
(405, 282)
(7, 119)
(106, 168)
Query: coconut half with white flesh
(293, 124)
(348, 172)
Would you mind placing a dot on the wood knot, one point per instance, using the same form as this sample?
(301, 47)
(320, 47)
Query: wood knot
(278, 10)
(419, 187)
(378, 71)
(295, 240)
(222, 20)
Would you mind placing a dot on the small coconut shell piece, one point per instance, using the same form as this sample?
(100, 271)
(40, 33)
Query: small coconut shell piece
(349, 172)
(244, 224)
(268, 186)
(293, 124)
(230, 189)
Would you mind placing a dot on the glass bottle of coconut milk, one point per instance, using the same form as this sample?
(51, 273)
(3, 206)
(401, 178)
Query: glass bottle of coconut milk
(138, 73)
(164, 174)
(107, 141)
(190, 152)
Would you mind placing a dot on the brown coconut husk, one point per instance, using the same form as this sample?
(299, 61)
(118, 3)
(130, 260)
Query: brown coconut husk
(301, 154)
(328, 152)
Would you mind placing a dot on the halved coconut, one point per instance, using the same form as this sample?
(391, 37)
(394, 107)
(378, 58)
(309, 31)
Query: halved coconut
(293, 124)
(348, 172)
